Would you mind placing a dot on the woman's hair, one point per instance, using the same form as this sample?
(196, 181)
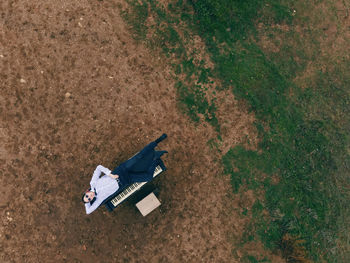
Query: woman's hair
(82, 198)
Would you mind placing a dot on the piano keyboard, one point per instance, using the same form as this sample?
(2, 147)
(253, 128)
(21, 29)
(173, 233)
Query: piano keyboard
(132, 189)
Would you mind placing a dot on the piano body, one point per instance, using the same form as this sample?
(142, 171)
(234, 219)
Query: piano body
(124, 193)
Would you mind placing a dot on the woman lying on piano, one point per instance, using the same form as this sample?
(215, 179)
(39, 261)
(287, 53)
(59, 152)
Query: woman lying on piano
(139, 168)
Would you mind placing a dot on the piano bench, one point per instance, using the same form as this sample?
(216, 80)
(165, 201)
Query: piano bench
(148, 204)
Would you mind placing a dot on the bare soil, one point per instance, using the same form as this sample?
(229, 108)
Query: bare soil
(77, 91)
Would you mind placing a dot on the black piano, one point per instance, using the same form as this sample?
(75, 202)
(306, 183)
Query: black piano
(125, 192)
(149, 156)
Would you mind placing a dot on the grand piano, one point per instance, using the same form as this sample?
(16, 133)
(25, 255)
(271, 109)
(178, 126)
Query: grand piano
(148, 156)
(127, 191)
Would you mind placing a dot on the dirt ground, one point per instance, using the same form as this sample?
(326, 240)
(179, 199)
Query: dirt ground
(77, 91)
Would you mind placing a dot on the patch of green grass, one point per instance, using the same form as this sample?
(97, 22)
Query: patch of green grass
(164, 37)
(137, 18)
(252, 259)
(303, 150)
(248, 234)
(300, 152)
(229, 21)
(194, 97)
(214, 144)
(301, 142)
(245, 211)
(297, 148)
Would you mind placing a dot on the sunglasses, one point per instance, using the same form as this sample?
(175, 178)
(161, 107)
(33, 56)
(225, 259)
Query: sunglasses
(88, 198)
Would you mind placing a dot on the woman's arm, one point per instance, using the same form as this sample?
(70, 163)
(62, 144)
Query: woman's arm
(114, 176)
(90, 208)
(99, 169)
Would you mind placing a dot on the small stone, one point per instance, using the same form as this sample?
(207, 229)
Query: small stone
(1, 55)
(68, 95)
(22, 81)
(79, 24)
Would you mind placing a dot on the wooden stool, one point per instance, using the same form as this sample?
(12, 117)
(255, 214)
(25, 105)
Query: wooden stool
(148, 204)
